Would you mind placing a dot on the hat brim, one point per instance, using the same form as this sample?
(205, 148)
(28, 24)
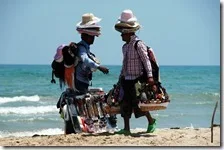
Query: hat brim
(89, 24)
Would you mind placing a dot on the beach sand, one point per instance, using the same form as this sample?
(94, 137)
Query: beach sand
(161, 137)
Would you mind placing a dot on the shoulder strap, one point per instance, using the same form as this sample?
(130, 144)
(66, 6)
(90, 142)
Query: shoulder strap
(148, 51)
(136, 43)
(136, 48)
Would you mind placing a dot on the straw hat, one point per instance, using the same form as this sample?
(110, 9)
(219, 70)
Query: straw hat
(127, 22)
(89, 25)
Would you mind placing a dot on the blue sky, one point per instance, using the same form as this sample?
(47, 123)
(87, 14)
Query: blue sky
(181, 32)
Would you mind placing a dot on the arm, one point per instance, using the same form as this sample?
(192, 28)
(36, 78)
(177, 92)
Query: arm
(85, 59)
(142, 51)
(52, 77)
(90, 63)
(123, 64)
(122, 71)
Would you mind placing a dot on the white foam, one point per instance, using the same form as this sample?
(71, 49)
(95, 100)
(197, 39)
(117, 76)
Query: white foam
(33, 98)
(28, 110)
(23, 120)
(205, 102)
(50, 131)
(138, 130)
(26, 119)
(191, 127)
(216, 94)
(212, 94)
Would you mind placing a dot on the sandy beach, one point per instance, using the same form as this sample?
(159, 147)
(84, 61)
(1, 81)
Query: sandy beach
(161, 137)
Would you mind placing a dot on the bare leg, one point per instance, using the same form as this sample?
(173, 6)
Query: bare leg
(149, 117)
(126, 129)
(126, 123)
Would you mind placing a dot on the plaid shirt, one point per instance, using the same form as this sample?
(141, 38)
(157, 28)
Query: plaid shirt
(134, 59)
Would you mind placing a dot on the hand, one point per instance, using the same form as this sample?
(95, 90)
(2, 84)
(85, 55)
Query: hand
(73, 48)
(72, 44)
(121, 79)
(103, 69)
(150, 81)
(53, 81)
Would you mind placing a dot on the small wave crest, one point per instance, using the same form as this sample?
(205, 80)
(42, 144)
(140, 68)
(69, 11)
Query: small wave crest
(50, 131)
(33, 119)
(28, 110)
(33, 98)
(204, 102)
(212, 94)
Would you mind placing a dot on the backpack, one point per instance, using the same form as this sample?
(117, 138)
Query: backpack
(154, 64)
(69, 53)
(69, 60)
(58, 69)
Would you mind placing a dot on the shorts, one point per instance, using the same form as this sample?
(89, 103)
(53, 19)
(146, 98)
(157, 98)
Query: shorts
(130, 101)
(81, 86)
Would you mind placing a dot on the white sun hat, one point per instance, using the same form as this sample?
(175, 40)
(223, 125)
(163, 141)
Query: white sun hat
(89, 25)
(89, 21)
(127, 22)
(127, 16)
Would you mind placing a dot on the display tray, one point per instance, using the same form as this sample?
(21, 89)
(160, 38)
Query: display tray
(144, 107)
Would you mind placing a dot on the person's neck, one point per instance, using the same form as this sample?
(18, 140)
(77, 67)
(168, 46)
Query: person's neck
(86, 41)
(129, 39)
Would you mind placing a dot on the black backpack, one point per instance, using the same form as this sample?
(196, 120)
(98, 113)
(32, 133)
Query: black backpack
(58, 69)
(69, 57)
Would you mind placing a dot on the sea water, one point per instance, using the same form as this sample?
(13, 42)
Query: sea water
(28, 99)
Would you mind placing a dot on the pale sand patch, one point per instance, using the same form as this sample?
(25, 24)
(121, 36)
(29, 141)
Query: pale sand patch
(161, 137)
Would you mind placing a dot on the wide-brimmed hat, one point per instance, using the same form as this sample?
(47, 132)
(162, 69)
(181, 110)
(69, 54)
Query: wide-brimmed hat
(89, 25)
(127, 22)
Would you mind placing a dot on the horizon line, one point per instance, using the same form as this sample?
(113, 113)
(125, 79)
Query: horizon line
(121, 65)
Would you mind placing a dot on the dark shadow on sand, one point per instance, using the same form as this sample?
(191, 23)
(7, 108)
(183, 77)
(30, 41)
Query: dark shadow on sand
(139, 134)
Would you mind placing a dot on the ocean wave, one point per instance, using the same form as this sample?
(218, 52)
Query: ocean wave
(212, 94)
(25, 110)
(50, 131)
(33, 98)
(161, 115)
(31, 119)
(203, 103)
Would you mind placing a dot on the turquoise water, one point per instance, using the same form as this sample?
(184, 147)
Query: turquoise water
(28, 99)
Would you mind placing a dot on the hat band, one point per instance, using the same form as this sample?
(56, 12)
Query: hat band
(127, 30)
(89, 32)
